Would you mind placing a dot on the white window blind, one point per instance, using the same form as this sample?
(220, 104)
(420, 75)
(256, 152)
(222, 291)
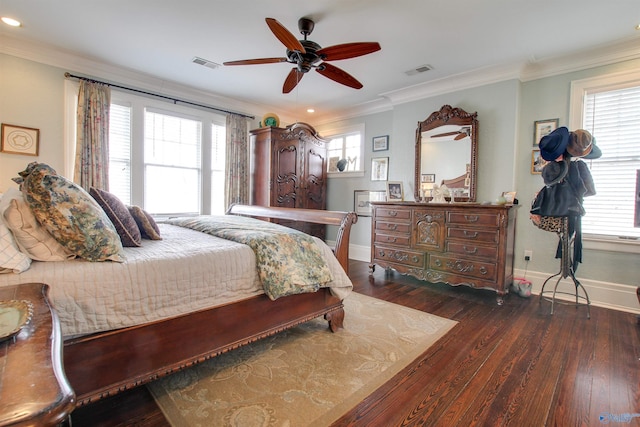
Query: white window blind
(120, 152)
(613, 118)
(172, 163)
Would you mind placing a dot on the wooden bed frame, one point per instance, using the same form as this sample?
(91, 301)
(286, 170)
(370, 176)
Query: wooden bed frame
(104, 364)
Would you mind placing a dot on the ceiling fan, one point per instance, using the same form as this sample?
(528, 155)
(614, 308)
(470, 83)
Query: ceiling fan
(306, 54)
(459, 134)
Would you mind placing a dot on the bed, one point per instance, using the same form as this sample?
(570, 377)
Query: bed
(106, 353)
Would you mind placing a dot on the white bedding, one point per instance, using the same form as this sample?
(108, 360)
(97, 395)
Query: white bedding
(186, 271)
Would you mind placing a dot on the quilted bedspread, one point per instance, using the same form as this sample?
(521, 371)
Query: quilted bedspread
(288, 261)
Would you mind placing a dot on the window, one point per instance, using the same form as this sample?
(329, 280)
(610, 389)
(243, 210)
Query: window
(172, 165)
(345, 144)
(167, 158)
(609, 108)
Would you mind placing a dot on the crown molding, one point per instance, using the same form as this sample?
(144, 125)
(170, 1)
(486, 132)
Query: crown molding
(90, 67)
(454, 83)
(524, 71)
(608, 54)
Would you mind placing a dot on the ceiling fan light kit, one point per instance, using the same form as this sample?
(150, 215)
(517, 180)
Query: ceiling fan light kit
(308, 55)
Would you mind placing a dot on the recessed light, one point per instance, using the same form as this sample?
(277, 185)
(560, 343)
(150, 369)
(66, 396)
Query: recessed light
(310, 110)
(638, 27)
(11, 21)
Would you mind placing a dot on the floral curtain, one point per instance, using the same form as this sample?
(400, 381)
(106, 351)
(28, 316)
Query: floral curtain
(237, 161)
(92, 141)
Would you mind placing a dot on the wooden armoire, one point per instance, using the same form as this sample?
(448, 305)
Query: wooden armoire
(289, 169)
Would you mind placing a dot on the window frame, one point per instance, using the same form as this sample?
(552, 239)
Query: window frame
(579, 89)
(332, 133)
(138, 104)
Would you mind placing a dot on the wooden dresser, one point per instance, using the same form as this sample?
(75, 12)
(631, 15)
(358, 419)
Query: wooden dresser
(459, 244)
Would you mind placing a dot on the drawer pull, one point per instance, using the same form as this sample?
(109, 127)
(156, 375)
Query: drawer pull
(392, 227)
(470, 252)
(472, 218)
(415, 259)
(483, 270)
(470, 235)
(391, 239)
(393, 213)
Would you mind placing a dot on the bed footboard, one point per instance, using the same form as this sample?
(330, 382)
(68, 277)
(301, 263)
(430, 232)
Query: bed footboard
(343, 220)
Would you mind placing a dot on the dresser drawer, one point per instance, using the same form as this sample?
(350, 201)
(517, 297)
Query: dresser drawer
(473, 218)
(410, 258)
(465, 267)
(392, 239)
(396, 227)
(473, 235)
(391, 213)
(471, 249)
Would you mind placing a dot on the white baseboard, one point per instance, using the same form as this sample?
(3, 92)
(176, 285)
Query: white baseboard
(614, 296)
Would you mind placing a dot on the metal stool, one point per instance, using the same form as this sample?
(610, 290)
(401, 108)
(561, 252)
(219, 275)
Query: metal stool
(566, 270)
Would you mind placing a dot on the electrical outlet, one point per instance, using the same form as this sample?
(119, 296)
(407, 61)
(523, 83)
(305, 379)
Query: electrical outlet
(528, 255)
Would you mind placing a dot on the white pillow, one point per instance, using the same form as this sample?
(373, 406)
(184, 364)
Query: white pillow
(31, 237)
(11, 259)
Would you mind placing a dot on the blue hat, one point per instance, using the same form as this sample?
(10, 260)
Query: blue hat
(595, 153)
(554, 144)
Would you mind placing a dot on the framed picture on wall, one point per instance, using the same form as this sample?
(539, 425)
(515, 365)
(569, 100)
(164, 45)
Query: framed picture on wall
(19, 140)
(379, 168)
(537, 162)
(381, 143)
(362, 200)
(542, 128)
(428, 178)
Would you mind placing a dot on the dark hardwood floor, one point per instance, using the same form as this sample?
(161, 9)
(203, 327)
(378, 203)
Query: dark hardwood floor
(513, 365)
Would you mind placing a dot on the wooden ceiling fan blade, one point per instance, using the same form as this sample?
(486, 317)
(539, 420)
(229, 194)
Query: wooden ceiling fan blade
(289, 40)
(338, 75)
(348, 50)
(292, 80)
(441, 135)
(255, 61)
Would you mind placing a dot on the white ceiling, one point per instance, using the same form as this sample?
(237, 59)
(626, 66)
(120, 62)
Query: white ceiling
(456, 37)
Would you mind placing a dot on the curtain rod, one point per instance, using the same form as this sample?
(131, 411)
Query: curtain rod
(157, 95)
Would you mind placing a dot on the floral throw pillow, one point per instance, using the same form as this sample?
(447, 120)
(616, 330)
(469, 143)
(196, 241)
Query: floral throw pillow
(70, 214)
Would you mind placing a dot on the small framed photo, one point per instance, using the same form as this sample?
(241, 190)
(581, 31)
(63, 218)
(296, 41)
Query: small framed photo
(428, 178)
(542, 128)
(362, 200)
(379, 169)
(395, 191)
(381, 143)
(333, 164)
(509, 196)
(20, 140)
(537, 162)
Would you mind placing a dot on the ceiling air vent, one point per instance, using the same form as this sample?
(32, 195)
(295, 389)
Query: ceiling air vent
(205, 62)
(420, 69)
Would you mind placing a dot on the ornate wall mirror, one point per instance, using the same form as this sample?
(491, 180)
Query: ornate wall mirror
(447, 153)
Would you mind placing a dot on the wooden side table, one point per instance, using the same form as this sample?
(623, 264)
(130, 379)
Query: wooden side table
(33, 387)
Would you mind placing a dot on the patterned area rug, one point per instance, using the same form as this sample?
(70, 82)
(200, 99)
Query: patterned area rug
(306, 376)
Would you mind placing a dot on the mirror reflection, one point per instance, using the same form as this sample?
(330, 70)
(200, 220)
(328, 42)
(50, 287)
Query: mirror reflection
(446, 145)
